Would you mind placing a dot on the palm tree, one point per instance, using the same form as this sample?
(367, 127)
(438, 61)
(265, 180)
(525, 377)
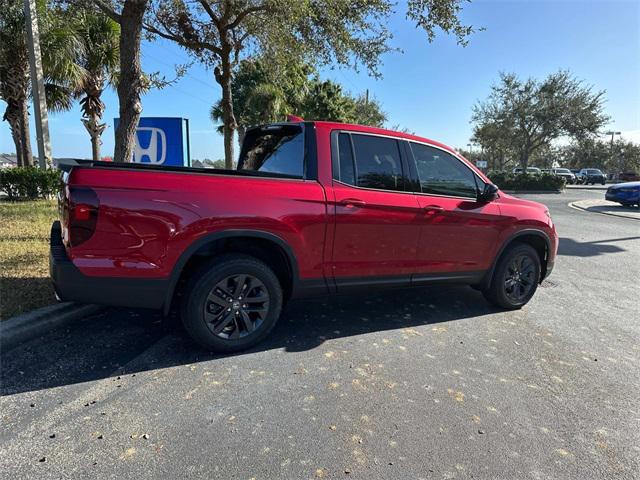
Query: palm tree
(100, 60)
(60, 48)
(14, 78)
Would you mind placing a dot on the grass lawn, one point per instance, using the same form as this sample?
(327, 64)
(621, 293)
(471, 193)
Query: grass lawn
(24, 256)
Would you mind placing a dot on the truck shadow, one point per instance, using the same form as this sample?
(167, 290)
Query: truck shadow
(124, 342)
(569, 247)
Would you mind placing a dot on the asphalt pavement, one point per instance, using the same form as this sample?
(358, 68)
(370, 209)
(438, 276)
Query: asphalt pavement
(424, 383)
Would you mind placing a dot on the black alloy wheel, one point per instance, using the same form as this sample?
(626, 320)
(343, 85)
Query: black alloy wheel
(520, 278)
(236, 306)
(231, 303)
(515, 278)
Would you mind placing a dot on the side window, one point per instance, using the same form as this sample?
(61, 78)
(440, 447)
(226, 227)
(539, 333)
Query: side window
(441, 173)
(274, 150)
(377, 162)
(347, 173)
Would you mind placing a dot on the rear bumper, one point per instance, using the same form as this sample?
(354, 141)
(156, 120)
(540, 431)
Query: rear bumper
(71, 284)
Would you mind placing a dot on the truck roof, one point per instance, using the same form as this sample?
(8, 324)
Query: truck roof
(381, 131)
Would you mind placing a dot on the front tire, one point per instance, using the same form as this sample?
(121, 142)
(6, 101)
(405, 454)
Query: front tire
(515, 278)
(231, 303)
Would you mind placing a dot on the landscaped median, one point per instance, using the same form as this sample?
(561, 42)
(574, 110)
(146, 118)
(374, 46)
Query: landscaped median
(518, 182)
(24, 256)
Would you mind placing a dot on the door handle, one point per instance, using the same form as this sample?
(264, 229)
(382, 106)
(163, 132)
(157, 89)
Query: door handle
(432, 209)
(353, 202)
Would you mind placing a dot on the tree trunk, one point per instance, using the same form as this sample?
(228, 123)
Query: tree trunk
(223, 75)
(95, 147)
(524, 160)
(25, 137)
(130, 82)
(12, 116)
(242, 131)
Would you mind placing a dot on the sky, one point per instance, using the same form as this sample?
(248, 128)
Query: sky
(428, 88)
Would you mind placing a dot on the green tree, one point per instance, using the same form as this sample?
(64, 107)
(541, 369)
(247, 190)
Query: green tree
(621, 156)
(368, 111)
(263, 94)
(221, 33)
(99, 60)
(528, 115)
(132, 82)
(60, 49)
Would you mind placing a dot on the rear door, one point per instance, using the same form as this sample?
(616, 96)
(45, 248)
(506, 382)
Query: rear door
(376, 216)
(458, 234)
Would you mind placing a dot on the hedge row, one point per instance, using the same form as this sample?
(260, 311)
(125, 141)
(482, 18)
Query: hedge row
(521, 181)
(28, 183)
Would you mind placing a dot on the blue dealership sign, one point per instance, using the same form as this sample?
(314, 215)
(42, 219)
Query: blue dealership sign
(162, 141)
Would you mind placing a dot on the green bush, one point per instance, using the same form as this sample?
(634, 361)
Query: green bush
(28, 183)
(523, 181)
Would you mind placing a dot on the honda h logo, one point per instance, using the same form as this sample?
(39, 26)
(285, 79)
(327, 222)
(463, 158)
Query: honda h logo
(160, 141)
(156, 149)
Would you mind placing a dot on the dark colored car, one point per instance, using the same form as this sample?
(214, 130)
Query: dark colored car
(315, 208)
(627, 194)
(629, 177)
(592, 176)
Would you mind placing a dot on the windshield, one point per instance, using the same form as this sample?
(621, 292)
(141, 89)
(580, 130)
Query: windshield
(562, 170)
(594, 171)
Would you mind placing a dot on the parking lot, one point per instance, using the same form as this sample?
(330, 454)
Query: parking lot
(425, 383)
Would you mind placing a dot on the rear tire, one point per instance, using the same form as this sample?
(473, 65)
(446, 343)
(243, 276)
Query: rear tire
(515, 278)
(231, 303)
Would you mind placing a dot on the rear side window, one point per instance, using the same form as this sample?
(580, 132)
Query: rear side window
(377, 162)
(274, 149)
(441, 173)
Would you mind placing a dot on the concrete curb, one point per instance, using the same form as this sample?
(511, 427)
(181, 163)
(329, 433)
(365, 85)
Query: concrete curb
(22, 328)
(576, 206)
(602, 188)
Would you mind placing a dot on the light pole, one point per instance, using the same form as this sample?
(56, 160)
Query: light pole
(612, 133)
(37, 83)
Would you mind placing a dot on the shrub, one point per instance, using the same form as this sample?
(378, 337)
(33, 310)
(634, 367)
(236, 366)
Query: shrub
(523, 181)
(29, 182)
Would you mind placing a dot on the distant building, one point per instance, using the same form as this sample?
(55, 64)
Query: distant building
(8, 160)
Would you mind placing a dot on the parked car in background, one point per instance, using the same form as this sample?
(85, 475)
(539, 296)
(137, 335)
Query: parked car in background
(592, 176)
(565, 173)
(314, 208)
(530, 170)
(628, 177)
(626, 194)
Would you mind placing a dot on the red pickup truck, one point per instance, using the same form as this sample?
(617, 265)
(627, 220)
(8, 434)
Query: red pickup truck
(314, 208)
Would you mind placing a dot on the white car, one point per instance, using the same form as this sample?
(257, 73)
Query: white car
(565, 173)
(530, 170)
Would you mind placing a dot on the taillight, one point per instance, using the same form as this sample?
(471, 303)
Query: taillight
(82, 214)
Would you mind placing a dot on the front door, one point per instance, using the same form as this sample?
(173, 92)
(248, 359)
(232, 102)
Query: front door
(458, 233)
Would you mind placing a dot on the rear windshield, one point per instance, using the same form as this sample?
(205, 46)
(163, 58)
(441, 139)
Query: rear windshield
(276, 149)
(562, 170)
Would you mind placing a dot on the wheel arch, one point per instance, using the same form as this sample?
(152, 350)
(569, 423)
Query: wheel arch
(538, 239)
(257, 243)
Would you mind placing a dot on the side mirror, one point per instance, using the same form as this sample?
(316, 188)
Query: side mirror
(489, 193)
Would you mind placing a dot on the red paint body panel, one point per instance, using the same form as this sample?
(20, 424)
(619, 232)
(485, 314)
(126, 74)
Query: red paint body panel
(148, 218)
